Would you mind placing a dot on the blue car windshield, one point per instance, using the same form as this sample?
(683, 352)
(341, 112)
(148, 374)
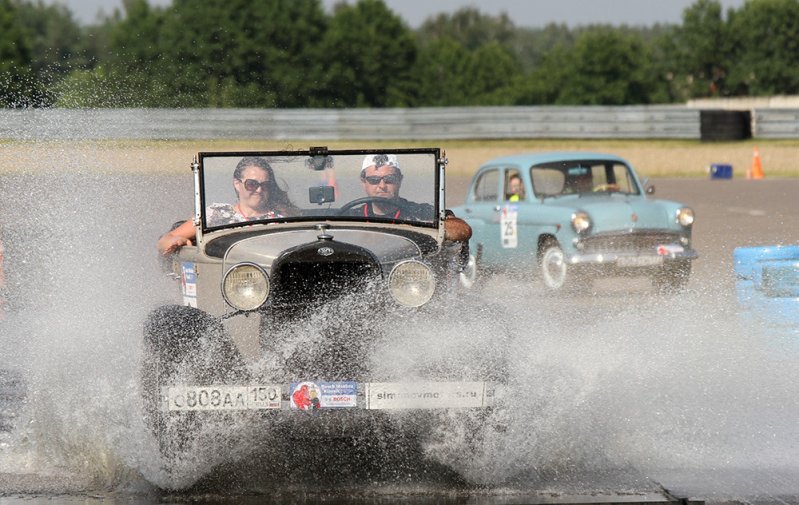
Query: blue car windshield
(582, 176)
(394, 186)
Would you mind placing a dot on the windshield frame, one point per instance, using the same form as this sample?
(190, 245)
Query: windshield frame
(330, 213)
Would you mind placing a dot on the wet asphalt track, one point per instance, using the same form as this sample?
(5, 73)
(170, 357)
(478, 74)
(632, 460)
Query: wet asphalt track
(730, 213)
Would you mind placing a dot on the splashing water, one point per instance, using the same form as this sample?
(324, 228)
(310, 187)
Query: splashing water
(77, 275)
(621, 383)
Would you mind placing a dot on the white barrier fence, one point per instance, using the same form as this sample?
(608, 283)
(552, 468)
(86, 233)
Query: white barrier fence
(602, 122)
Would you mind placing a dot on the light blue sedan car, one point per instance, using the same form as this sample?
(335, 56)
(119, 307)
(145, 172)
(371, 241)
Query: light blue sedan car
(573, 216)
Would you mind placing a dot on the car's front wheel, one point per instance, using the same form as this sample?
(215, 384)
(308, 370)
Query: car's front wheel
(182, 346)
(468, 276)
(555, 271)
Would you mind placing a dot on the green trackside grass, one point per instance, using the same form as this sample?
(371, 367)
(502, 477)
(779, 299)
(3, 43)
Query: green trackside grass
(651, 158)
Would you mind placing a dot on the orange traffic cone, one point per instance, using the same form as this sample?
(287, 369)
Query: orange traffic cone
(756, 172)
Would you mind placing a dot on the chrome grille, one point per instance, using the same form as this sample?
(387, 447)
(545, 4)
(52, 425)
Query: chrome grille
(628, 242)
(310, 283)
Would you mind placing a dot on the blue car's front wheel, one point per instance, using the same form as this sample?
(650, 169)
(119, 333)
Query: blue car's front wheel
(555, 271)
(468, 276)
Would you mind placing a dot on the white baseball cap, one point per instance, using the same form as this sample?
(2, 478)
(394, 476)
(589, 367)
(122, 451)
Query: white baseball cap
(380, 160)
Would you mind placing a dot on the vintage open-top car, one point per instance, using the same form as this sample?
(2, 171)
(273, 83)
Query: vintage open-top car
(282, 311)
(574, 215)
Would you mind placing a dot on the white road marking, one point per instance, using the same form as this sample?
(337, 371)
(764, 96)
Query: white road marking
(749, 212)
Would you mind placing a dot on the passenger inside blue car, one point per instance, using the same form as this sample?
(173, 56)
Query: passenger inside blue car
(515, 189)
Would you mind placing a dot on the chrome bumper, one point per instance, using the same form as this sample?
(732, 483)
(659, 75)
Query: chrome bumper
(630, 260)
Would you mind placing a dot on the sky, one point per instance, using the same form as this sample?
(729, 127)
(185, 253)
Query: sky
(524, 13)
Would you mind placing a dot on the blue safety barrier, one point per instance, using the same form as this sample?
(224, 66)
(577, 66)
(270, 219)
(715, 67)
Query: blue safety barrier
(767, 285)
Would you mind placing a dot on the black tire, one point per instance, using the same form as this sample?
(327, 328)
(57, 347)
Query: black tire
(556, 274)
(182, 345)
(672, 278)
(468, 276)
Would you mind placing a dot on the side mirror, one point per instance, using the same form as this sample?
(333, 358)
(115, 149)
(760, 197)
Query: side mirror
(650, 190)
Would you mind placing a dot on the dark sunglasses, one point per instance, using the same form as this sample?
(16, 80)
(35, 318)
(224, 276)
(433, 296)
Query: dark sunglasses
(374, 180)
(252, 185)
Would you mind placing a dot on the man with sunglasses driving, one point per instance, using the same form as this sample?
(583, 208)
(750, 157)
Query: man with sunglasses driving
(381, 177)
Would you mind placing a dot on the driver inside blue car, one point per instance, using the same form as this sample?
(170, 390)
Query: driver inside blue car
(381, 177)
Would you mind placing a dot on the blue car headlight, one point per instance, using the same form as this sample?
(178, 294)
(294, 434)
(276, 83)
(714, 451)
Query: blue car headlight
(685, 216)
(581, 222)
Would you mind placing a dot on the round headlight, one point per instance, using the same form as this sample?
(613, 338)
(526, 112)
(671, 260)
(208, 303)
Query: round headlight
(412, 283)
(245, 286)
(685, 216)
(581, 221)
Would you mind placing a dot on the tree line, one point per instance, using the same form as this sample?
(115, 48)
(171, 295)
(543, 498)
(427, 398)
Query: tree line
(292, 53)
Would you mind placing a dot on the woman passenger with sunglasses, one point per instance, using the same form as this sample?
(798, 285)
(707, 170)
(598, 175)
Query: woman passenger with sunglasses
(258, 197)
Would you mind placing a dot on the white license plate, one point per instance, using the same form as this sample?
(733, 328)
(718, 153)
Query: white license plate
(425, 395)
(254, 397)
(639, 261)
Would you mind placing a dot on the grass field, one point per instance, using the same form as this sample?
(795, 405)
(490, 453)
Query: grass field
(652, 158)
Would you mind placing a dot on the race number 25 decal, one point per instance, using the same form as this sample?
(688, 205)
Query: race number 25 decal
(507, 227)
